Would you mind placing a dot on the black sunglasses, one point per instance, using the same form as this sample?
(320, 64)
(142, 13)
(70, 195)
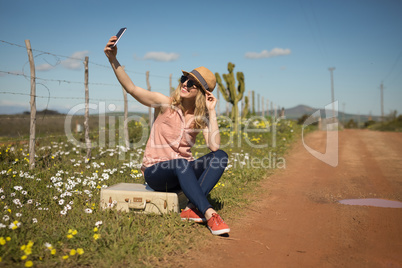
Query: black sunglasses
(190, 83)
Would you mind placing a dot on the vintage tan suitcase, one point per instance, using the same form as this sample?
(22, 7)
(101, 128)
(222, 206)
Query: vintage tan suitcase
(141, 198)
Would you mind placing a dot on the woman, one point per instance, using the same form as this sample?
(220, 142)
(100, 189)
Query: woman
(168, 164)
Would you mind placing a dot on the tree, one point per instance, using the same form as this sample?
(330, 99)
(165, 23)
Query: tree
(351, 124)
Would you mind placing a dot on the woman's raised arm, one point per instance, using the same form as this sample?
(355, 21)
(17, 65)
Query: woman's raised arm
(148, 98)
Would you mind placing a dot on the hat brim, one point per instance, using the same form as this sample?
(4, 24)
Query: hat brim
(195, 78)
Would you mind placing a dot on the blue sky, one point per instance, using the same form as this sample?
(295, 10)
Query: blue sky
(284, 49)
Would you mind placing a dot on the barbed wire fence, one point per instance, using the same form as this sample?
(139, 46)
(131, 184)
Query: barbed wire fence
(267, 107)
(35, 79)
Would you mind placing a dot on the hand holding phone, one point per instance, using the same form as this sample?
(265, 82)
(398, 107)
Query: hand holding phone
(119, 35)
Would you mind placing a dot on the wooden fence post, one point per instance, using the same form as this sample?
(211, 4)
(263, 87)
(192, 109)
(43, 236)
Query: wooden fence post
(262, 107)
(272, 109)
(275, 111)
(32, 134)
(86, 121)
(126, 137)
(150, 108)
(267, 108)
(253, 101)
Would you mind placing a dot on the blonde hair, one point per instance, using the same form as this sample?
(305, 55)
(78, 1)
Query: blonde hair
(200, 111)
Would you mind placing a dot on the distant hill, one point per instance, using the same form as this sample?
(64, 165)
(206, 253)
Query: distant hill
(46, 111)
(290, 113)
(300, 110)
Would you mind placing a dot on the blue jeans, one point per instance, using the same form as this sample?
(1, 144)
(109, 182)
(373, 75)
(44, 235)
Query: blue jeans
(195, 178)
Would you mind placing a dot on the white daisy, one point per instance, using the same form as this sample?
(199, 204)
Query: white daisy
(88, 210)
(18, 188)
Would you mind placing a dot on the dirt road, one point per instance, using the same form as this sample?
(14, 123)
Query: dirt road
(298, 222)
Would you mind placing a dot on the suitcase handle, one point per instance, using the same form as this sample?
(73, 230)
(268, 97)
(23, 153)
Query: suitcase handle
(137, 205)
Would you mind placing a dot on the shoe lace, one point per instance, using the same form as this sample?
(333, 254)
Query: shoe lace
(217, 219)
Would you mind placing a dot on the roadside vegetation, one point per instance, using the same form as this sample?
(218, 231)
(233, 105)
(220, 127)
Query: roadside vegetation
(391, 122)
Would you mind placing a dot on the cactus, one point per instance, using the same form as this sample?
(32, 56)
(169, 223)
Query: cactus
(230, 93)
(245, 108)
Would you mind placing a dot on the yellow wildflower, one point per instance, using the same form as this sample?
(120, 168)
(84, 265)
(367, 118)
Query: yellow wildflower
(28, 251)
(53, 251)
(15, 225)
(2, 241)
(65, 257)
(80, 251)
(24, 257)
(95, 229)
(72, 252)
(69, 236)
(29, 264)
(96, 236)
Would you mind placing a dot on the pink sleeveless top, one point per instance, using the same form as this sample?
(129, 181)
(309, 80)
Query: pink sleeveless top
(171, 138)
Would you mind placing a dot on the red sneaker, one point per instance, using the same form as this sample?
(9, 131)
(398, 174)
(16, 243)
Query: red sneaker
(217, 226)
(192, 215)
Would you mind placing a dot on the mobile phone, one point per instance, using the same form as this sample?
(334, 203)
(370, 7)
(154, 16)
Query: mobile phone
(119, 35)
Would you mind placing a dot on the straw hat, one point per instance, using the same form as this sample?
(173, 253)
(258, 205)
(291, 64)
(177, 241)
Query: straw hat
(204, 77)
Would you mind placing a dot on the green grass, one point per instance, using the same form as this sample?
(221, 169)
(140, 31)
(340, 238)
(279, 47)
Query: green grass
(50, 216)
(391, 125)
